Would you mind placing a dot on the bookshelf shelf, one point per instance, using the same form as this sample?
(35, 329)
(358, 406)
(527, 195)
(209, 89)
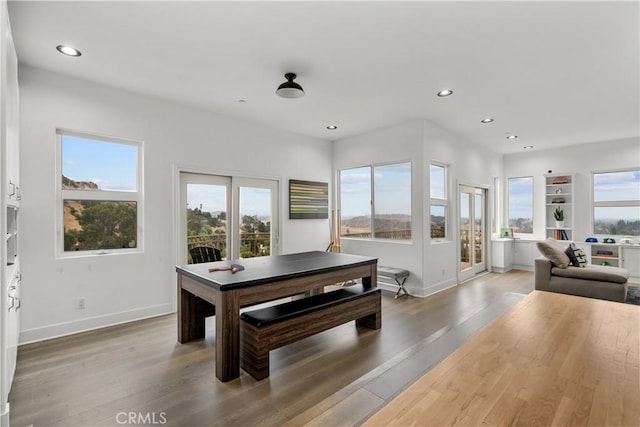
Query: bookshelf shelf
(559, 195)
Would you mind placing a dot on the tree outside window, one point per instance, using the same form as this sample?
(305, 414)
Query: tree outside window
(99, 187)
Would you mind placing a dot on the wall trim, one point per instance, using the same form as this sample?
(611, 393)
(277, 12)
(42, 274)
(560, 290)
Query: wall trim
(58, 330)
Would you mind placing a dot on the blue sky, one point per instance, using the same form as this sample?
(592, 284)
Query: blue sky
(392, 186)
(111, 166)
(521, 198)
(212, 198)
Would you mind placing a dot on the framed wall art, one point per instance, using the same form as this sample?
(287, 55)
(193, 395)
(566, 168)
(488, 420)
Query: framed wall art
(308, 199)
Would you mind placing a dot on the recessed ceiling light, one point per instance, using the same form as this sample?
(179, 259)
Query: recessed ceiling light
(512, 136)
(528, 147)
(332, 127)
(487, 120)
(242, 101)
(445, 92)
(68, 50)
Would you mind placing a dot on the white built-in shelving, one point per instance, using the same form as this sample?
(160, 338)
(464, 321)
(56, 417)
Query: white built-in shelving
(559, 193)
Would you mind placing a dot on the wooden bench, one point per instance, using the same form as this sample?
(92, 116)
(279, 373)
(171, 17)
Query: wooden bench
(397, 274)
(269, 328)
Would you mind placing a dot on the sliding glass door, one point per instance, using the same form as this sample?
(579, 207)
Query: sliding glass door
(237, 216)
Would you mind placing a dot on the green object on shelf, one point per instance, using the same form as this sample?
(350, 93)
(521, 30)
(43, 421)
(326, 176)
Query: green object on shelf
(558, 214)
(605, 263)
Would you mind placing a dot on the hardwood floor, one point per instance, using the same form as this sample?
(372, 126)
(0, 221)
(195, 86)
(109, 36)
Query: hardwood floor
(554, 359)
(339, 377)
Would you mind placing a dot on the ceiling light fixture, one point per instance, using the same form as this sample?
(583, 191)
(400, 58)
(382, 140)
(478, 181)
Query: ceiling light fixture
(512, 136)
(68, 50)
(290, 89)
(445, 92)
(487, 120)
(528, 147)
(332, 127)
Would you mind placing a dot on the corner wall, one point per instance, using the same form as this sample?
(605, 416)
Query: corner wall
(121, 288)
(433, 266)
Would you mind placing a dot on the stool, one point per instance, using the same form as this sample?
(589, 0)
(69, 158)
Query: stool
(398, 274)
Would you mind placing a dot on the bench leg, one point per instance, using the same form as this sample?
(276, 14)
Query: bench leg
(254, 353)
(374, 320)
(401, 290)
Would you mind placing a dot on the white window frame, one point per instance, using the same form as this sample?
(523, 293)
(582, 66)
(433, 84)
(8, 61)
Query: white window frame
(440, 202)
(533, 203)
(608, 204)
(372, 200)
(120, 196)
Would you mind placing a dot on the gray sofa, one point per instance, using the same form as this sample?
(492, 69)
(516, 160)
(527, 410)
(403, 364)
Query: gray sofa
(593, 281)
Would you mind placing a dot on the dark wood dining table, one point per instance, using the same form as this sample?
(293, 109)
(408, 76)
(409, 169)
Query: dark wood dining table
(202, 293)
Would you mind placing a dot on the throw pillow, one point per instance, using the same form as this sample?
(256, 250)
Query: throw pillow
(576, 255)
(553, 252)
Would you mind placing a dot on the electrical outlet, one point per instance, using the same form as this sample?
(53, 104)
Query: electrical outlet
(81, 304)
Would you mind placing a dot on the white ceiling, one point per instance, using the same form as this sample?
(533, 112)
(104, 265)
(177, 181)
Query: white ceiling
(553, 73)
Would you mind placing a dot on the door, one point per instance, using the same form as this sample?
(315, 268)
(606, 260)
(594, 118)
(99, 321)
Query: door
(238, 216)
(472, 226)
(255, 229)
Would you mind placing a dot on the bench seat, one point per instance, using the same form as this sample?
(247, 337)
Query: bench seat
(272, 327)
(399, 275)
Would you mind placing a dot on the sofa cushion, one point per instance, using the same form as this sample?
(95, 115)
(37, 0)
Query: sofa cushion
(554, 252)
(576, 255)
(593, 272)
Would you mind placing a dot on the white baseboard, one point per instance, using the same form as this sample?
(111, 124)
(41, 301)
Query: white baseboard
(4, 417)
(88, 324)
(420, 293)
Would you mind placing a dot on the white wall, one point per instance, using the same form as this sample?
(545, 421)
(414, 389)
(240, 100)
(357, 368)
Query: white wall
(433, 266)
(579, 159)
(469, 164)
(120, 288)
(390, 145)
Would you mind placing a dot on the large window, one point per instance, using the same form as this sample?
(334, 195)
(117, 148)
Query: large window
(521, 204)
(438, 201)
(99, 187)
(375, 202)
(616, 203)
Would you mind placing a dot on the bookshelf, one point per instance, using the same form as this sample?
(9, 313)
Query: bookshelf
(559, 197)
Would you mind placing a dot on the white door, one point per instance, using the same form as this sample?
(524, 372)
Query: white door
(472, 225)
(238, 216)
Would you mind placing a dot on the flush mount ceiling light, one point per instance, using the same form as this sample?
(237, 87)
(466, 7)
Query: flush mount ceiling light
(528, 147)
(445, 92)
(290, 89)
(68, 50)
(512, 136)
(487, 120)
(332, 127)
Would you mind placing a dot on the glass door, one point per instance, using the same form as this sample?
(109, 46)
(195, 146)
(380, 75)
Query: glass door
(256, 230)
(238, 216)
(204, 221)
(472, 224)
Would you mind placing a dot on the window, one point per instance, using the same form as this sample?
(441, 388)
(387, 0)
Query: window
(438, 201)
(99, 187)
(381, 193)
(616, 203)
(521, 204)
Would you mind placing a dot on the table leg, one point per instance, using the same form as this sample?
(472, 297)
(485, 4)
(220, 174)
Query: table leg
(227, 336)
(372, 280)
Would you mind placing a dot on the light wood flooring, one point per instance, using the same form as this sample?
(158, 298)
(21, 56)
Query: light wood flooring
(340, 377)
